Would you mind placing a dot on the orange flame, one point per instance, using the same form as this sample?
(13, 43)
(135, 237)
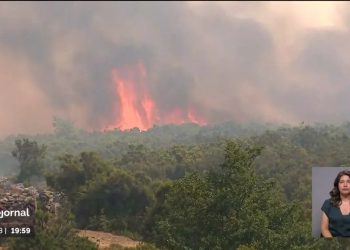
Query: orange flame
(137, 108)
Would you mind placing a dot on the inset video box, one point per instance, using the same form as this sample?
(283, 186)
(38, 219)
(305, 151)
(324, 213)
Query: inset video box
(17, 210)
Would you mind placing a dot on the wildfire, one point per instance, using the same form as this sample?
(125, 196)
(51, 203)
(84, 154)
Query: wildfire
(136, 106)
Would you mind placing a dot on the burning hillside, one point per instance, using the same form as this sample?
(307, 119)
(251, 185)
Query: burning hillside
(135, 106)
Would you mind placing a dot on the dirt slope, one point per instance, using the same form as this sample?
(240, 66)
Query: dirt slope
(105, 240)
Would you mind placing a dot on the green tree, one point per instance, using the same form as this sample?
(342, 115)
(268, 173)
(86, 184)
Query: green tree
(64, 128)
(75, 172)
(115, 201)
(102, 197)
(70, 178)
(230, 208)
(30, 155)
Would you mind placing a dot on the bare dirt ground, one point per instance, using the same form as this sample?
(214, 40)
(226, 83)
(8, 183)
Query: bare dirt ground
(105, 240)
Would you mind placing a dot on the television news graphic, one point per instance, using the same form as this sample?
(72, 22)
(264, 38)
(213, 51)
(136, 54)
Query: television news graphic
(17, 209)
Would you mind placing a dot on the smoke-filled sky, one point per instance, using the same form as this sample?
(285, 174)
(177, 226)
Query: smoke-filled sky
(245, 61)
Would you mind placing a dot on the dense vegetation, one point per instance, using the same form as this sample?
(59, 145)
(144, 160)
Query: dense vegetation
(226, 186)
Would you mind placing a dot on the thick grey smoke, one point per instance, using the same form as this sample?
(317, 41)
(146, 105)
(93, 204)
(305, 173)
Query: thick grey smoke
(56, 59)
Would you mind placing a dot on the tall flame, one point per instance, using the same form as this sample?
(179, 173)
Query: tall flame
(136, 106)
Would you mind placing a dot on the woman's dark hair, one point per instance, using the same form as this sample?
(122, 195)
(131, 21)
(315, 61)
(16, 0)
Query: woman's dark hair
(335, 194)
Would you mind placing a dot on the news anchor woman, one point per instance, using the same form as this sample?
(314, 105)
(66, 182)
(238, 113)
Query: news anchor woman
(335, 220)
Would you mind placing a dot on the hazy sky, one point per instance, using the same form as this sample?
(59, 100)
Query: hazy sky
(243, 61)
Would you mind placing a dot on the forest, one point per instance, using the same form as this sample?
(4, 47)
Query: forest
(222, 186)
